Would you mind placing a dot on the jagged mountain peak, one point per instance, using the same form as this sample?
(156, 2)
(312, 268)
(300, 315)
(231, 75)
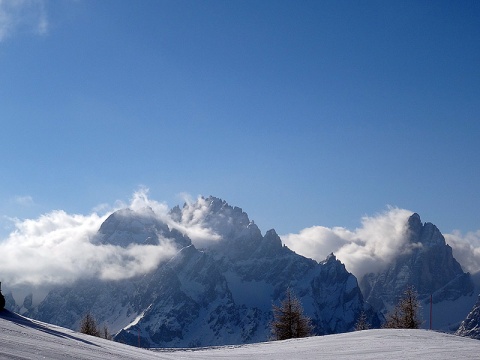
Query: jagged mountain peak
(220, 212)
(330, 258)
(215, 214)
(426, 234)
(427, 263)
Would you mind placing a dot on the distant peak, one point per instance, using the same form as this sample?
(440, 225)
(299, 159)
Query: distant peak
(331, 258)
(427, 234)
(271, 233)
(415, 217)
(414, 221)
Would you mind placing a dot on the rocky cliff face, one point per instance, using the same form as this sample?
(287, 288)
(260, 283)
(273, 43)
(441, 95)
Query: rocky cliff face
(470, 327)
(213, 293)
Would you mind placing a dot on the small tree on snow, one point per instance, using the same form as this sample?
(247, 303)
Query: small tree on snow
(289, 320)
(406, 314)
(106, 333)
(88, 325)
(362, 322)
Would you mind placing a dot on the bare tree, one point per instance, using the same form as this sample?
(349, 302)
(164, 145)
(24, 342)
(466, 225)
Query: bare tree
(406, 314)
(106, 333)
(88, 325)
(411, 309)
(362, 322)
(394, 319)
(289, 320)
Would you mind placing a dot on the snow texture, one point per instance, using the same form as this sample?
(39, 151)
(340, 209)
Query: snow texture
(23, 339)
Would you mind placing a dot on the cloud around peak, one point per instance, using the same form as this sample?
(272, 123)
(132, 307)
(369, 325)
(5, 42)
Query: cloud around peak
(58, 248)
(374, 245)
(366, 249)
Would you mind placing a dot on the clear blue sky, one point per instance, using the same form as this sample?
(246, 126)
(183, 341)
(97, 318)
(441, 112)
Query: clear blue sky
(301, 112)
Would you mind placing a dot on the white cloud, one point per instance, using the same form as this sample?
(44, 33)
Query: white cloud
(366, 249)
(140, 203)
(466, 249)
(22, 15)
(58, 247)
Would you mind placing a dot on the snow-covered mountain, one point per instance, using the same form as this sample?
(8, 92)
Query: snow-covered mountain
(217, 291)
(219, 286)
(428, 264)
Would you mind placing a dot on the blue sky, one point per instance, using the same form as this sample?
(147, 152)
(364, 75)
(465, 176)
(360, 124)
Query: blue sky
(301, 112)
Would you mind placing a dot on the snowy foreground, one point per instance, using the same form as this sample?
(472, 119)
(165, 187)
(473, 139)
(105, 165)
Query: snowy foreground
(22, 338)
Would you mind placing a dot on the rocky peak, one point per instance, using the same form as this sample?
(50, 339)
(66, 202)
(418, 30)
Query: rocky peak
(215, 214)
(331, 258)
(223, 216)
(426, 234)
(430, 268)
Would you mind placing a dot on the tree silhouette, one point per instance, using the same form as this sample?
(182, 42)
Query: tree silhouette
(362, 322)
(288, 319)
(406, 314)
(88, 325)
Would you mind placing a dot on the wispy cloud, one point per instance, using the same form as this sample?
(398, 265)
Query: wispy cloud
(22, 15)
(24, 201)
(194, 222)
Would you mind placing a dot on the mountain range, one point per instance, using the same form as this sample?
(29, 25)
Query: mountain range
(221, 291)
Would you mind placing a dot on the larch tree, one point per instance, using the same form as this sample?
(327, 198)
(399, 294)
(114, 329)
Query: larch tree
(362, 322)
(288, 319)
(88, 325)
(406, 314)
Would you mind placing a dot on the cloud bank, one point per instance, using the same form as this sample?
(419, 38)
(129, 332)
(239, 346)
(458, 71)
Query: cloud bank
(60, 248)
(22, 15)
(376, 243)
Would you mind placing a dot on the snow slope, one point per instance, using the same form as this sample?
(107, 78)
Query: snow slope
(23, 338)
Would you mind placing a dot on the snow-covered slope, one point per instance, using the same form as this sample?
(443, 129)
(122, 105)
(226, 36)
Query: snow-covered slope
(25, 339)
